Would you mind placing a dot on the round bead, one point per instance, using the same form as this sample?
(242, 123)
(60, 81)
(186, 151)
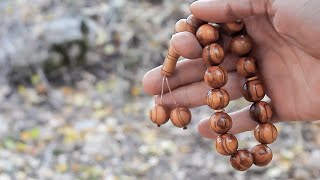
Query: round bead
(233, 27)
(241, 45)
(220, 122)
(213, 54)
(193, 24)
(180, 117)
(253, 91)
(262, 155)
(242, 160)
(226, 144)
(266, 133)
(247, 67)
(218, 99)
(159, 115)
(216, 77)
(261, 112)
(180, 26)
(207, 34)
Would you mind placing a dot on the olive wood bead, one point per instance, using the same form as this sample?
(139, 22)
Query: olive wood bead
(266, 133)
(218, 99)
(233, 27)
(241, 45)
(216, 77)
(207, 34)
(220, 122)
(247, 67)
(262, 155)
(261, 112)
(180, 26)
(213, 54)
(170, 61)
(159, 114)
(241, 160)
(253, 91)
(226, 144)
(193, 23)
(180, 117)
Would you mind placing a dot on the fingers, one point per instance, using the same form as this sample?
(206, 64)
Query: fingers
(194, 95)
(242, 122)
(229, 10)
(186, 44)
(187, 72)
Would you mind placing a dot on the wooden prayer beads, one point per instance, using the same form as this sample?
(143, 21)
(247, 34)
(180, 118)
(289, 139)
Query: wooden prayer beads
(233, 27)
(262, 155)
(226, 144)
(247, 67)
(180, 117)
(241, 160)
(266, 133)
(220, 122)
(216, 77)
(180, 26)
(207, 34)
(213, 54)
(218, 98)
(241, 45)
(159, 115)
(253, 90)
(193, 23)
(261, 112)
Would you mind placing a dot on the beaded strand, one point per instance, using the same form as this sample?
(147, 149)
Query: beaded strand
(217, 97)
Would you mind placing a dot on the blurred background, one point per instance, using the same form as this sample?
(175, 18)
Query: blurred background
(72, 104)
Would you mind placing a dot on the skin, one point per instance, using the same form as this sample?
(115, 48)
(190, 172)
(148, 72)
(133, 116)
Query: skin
(286, 35)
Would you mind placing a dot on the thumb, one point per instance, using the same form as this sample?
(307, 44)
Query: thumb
(221, 11)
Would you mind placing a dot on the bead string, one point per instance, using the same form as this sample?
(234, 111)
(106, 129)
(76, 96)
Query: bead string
(175, 102)
(218, 98)
(161, 96)
(220, 122)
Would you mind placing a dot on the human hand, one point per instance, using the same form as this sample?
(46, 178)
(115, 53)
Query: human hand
(286, 35)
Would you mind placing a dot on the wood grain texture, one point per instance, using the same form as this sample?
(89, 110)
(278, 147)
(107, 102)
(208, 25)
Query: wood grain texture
(218, 99)
(262, 155)
(253, 91)
(170, 62)
(180, 117)
(207, 34)
(180, 26)
(226, 144)
(220, 122)
(241, 160)
(261, 112)
(266, 133)
(247, 67)
(233, 27)
(159, 114)
(216, 77)
(193, 23)
(213, 54)
(241, 45)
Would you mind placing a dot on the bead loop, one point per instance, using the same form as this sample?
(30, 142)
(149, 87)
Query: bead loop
(217, 98)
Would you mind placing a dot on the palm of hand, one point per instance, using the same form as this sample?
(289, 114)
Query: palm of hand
(288, 60)
(286, 38)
